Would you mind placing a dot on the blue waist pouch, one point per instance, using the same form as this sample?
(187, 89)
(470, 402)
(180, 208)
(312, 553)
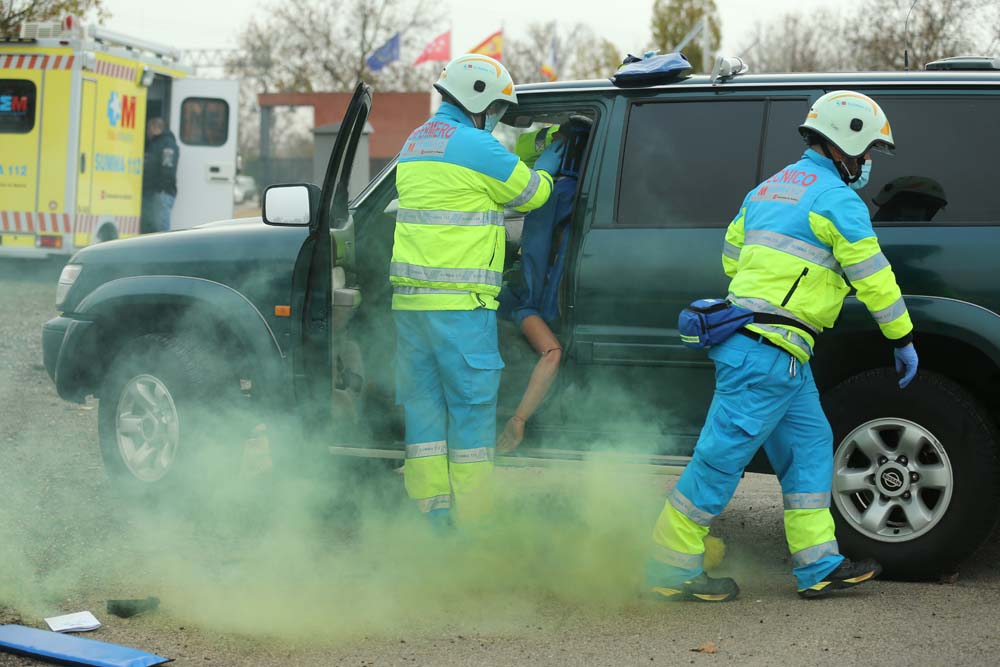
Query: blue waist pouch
(708, 322)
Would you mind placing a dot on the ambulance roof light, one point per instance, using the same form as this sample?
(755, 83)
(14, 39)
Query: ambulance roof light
(49, 29)
(113, 38)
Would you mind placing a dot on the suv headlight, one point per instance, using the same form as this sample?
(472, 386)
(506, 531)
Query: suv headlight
(68, 276)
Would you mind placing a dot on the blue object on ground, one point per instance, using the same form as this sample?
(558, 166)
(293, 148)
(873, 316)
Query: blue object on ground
(67, 649)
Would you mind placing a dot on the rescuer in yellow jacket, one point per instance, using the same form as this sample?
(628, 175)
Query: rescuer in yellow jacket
(454, 180)
(798, 235)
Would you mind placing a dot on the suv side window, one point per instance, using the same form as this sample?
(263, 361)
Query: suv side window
(688, 164)
(941, 172)
(783, 144)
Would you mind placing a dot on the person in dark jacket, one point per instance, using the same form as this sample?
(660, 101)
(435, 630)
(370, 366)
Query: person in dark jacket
(159, 177)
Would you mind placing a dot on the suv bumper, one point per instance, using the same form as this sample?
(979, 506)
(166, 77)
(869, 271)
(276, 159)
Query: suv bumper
(60, 352)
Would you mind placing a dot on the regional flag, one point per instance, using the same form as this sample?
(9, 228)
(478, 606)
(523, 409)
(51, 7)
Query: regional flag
(385, 54)
(492, 46)
(550, 67)
(438, 49)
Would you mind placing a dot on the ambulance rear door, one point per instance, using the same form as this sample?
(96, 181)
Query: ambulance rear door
(203, 118)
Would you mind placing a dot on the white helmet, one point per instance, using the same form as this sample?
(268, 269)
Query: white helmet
(476, 81)
(852, 122)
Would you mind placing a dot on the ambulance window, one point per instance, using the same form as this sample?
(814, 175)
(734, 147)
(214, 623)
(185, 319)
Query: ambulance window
(688, 164)
(204, 121)
(17, 106)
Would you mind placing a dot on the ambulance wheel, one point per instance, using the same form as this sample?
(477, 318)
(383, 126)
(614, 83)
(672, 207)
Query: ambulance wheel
(916, 481)
(162, 416)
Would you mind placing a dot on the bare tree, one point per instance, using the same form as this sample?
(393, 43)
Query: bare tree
(581, 54)
(317, 45)
(310, 45)
(878, 34)
(672, 19)
(15, 12)
(875, 37)
(795, 42)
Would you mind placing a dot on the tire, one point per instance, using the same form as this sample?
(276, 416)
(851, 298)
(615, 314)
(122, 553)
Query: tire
(922, 514)
(164, 416)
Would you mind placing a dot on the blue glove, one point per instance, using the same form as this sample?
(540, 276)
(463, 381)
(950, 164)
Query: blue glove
(906, 364)
(550, 160)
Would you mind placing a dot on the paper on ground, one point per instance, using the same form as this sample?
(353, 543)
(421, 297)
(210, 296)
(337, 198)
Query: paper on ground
(79, 622)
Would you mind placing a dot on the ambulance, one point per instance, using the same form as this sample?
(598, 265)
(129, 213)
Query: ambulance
(74, 102)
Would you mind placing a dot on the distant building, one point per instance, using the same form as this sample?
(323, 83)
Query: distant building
(393, 117)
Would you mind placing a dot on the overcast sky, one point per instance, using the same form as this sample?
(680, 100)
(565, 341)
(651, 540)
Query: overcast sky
(213, 24)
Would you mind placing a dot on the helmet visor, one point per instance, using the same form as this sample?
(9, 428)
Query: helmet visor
(883, 147)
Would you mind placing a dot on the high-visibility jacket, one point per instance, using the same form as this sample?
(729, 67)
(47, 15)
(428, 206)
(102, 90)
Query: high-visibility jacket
(798, 235)
(454, 181)
(531, 145)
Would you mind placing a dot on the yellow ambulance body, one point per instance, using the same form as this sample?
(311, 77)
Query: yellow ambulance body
(72, 136)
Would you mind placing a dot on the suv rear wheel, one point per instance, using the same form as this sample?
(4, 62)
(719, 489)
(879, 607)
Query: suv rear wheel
(163, 414)
(916, 476)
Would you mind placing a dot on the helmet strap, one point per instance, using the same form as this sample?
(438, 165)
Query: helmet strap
(842, 168)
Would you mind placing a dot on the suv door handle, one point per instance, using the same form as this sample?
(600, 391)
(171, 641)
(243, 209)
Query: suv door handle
(83, 163)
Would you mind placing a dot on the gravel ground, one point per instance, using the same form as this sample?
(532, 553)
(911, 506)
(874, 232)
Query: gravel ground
(234, 592)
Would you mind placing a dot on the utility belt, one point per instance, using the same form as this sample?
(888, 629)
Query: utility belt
(709, 322)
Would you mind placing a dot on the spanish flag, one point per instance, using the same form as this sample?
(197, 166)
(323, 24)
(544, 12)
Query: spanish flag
(492, 46)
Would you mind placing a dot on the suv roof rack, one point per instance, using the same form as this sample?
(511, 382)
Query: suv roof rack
(965, 63)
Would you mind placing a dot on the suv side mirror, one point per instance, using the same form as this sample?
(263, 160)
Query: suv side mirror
(291, 205)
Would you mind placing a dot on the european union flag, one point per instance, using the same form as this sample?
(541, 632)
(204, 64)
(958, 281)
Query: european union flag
(385, 54)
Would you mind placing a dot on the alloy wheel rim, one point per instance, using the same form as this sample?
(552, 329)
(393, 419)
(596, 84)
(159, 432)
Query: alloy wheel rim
(893, 480)
(146, 428)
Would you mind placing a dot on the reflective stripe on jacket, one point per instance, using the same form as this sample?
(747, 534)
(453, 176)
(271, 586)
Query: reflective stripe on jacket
(798, 235)
(454, 181)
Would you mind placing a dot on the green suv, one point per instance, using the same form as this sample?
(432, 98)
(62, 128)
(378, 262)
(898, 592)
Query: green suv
(290, 315)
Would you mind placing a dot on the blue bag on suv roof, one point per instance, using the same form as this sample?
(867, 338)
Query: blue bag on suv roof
(651, 70)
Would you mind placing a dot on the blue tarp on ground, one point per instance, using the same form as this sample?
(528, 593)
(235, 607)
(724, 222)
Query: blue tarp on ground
(67, 649)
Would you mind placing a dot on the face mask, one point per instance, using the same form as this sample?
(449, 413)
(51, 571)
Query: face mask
(866, 171)
(494, 112)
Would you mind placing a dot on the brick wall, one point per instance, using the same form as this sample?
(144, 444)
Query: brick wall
(393, 117)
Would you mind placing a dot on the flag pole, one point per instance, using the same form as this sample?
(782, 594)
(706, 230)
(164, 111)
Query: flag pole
(435, 99)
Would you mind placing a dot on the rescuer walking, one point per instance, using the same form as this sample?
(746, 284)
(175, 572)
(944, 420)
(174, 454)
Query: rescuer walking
(796, 237)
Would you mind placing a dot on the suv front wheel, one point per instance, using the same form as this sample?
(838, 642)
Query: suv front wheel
(162, 414)
(916, 476)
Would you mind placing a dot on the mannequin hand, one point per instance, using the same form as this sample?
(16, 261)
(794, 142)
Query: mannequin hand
(513, 434)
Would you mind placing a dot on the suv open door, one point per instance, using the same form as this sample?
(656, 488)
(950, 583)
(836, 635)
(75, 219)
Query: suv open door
(313, 291)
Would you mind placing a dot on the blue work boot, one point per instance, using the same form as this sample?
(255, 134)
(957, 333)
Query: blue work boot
(846, 575)
(441, 521)
(702, 588)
